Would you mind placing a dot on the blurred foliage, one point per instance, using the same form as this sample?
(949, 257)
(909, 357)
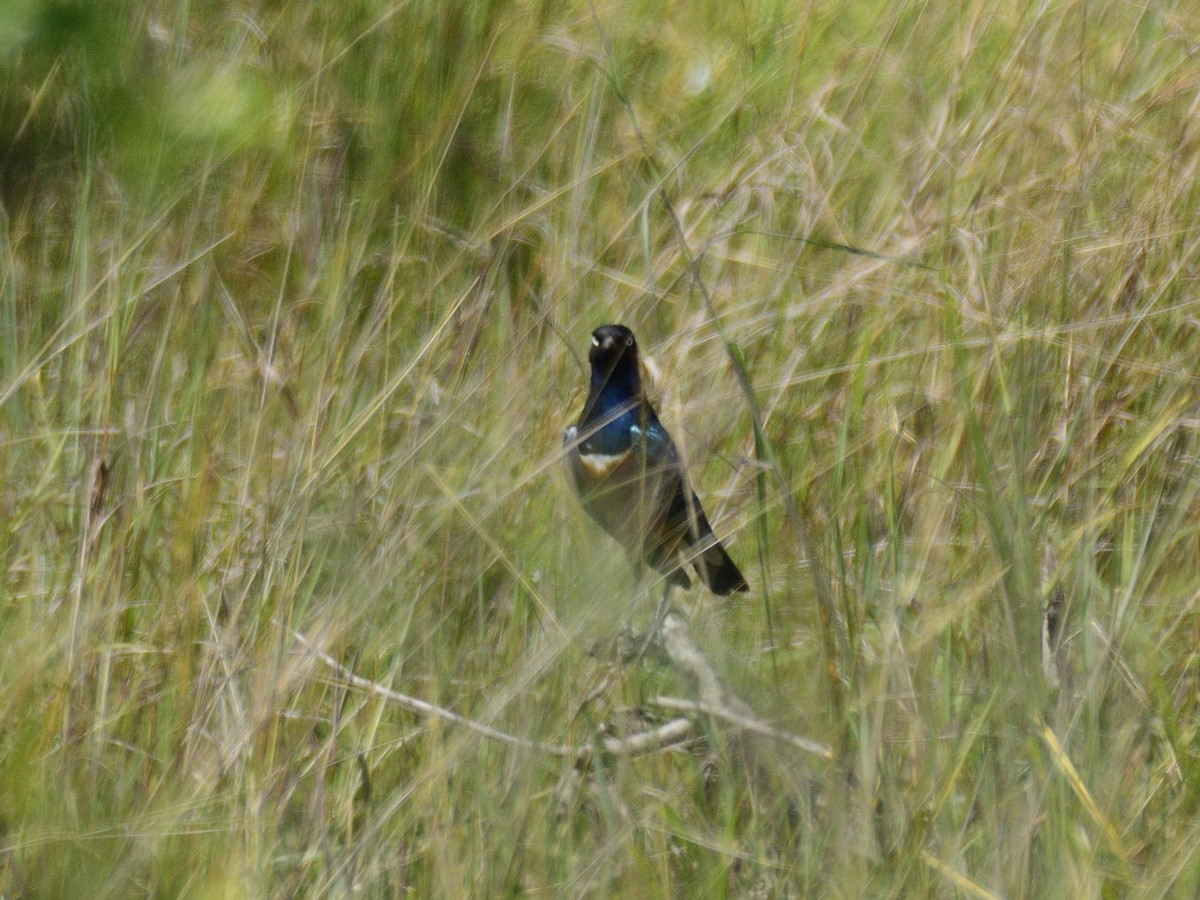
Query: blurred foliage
(294, 303)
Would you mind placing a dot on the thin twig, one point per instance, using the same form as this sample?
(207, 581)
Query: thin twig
(715, 698)
(666, 735)
(745, 723)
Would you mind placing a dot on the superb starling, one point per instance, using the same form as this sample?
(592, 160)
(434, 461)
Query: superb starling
(631, 479)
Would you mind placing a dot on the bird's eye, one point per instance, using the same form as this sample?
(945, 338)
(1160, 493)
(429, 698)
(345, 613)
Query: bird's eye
(595, 341)
(629, 341)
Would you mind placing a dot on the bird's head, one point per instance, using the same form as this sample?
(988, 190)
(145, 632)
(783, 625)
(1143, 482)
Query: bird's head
(613, 350)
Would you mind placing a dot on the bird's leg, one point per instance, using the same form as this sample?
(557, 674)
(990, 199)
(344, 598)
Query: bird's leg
(661, 612)
(627, 645)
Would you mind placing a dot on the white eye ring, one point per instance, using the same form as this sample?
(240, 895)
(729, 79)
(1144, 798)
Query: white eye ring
(629, 341)
(595, 341)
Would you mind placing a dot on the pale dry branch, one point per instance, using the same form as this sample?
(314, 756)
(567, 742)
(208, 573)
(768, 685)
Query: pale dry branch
(745, 723)
(666, 735)
(715, 699)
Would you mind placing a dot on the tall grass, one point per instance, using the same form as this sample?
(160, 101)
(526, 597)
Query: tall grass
(294, 302)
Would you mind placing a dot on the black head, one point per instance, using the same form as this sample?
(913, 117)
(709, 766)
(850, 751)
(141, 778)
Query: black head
(613, 347)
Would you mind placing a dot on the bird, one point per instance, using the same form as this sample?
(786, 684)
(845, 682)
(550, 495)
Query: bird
(630, 477)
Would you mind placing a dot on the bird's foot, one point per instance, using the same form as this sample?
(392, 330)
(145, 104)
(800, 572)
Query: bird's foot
(627, 647)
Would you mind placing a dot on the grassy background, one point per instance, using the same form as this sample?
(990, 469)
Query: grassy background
(294, 302)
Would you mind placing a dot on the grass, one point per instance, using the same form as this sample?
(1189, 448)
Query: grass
(295, 300)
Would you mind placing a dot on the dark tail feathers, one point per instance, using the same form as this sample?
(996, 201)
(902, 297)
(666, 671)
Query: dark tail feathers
(718, 571)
